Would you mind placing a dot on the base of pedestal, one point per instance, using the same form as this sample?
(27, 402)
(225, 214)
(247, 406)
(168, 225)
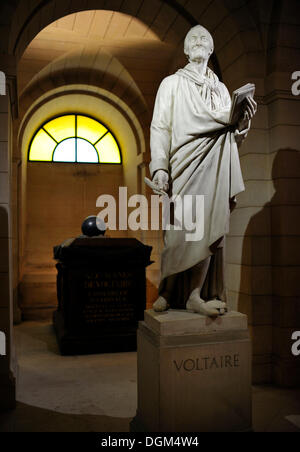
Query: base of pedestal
(194, 373)
(80, 344)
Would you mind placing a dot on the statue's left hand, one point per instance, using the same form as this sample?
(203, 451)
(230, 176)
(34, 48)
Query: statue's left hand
(250, 110)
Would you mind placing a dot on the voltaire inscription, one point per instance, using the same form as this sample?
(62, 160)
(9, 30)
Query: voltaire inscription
(207, 363)
(107, 296)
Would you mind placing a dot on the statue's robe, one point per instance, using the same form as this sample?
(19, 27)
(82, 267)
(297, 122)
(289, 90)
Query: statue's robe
(191, 139)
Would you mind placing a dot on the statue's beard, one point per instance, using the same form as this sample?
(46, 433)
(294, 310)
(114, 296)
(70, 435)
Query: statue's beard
(199, 54)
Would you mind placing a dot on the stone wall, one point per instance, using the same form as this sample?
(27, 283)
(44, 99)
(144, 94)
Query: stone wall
(7, 362)
(255, 41)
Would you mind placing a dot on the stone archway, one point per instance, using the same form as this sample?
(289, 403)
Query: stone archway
(241, 30)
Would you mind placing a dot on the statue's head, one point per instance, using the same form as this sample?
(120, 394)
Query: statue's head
(198, 44)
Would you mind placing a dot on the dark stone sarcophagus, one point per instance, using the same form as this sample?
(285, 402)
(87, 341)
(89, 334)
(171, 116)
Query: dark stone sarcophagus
(101, 290)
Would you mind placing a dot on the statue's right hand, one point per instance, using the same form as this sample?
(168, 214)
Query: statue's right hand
(161, 179)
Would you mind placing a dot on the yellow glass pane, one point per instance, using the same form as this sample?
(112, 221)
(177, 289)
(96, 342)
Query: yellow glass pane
(89, 129)
(42, 147)
(108, 150)
(61, 128)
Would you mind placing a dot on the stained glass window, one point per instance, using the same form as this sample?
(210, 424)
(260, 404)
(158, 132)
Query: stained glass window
(74, 138)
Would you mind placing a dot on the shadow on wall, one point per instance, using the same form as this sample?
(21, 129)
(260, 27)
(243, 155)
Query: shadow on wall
(151, 293)
(269, 289)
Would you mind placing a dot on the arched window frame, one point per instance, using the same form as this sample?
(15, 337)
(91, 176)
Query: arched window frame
(101, 123)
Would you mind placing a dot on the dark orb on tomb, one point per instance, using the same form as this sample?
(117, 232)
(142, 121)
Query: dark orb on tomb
(93, 226)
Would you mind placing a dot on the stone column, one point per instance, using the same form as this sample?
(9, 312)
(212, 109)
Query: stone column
(7, 381)
(283, 101)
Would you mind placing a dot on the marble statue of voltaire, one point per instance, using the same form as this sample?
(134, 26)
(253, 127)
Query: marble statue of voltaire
(194, 151)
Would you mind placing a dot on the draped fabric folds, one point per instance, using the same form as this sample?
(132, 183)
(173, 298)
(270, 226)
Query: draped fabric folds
(191, 139)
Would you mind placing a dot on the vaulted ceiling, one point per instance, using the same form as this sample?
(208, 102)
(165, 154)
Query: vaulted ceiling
(87, 35)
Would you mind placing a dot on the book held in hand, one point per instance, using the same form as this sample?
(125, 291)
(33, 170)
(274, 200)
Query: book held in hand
(238, 98)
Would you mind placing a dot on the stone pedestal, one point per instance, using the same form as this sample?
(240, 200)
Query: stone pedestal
(194, 373)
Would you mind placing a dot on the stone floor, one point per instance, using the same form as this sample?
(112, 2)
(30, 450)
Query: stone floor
(97, 393)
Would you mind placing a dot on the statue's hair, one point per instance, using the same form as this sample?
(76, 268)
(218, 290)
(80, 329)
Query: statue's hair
(189, 34)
